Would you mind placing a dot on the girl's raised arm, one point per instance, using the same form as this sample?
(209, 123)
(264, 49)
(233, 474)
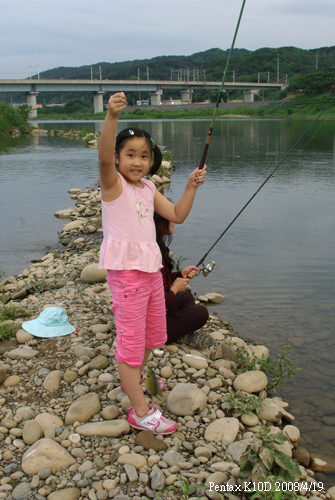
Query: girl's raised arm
(177, 213)
(108, 173)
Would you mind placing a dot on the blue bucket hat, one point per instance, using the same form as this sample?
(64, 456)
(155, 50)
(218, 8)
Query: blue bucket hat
(52, 322)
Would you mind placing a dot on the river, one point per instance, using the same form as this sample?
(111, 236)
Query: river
(275, 265)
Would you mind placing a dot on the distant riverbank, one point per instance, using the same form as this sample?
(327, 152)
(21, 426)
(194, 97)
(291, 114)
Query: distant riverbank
(296, 107)
(14, 121)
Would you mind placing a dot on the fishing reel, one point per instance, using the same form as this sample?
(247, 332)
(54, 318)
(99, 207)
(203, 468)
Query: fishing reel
(205, 270)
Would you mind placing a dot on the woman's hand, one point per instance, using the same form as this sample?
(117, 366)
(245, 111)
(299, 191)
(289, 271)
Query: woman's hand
(179, 285)
(116, 103)
(190, 272)
(197, 177)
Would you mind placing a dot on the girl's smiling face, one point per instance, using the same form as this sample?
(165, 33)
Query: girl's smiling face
(134, 159)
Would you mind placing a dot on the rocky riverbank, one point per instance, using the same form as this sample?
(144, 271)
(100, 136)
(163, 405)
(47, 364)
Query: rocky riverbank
(63, 419)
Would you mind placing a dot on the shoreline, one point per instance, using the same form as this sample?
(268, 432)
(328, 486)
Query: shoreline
(45, 376)
(286, 108)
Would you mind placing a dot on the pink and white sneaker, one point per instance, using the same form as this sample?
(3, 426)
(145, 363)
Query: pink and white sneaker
(153, 421)
(161, 383)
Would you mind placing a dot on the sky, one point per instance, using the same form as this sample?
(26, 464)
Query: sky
(38, 35)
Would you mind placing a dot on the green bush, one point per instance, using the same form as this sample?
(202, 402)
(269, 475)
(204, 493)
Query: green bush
(262, 458)
(242, 402)
(8, 313)
(13, 119)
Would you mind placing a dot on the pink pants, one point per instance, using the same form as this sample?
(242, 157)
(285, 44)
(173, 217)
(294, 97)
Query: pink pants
(140, 314)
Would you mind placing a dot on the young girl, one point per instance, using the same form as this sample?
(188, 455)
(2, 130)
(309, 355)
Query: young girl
(131, 255)
(183, 315)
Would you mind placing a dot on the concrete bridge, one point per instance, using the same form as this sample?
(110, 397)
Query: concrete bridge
(32, 87)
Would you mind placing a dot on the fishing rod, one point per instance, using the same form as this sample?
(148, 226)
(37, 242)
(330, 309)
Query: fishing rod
(207, 269)
(209, 135)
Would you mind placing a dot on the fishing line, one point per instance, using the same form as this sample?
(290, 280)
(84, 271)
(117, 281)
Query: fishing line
(204, 154)
(210, 266)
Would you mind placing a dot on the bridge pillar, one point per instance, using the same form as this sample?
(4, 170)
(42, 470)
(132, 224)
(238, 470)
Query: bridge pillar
(186, 96)
(156, 97)
(98, 102)
(31, 102)
(249, 95)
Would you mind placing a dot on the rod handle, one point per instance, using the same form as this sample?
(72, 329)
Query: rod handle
(204, 153)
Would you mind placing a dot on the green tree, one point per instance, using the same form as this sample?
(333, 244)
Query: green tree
(13, 118)
(318, 81)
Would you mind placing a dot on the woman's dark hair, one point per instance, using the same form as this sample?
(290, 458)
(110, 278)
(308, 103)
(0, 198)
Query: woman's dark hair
(163, 239)
(129, 133)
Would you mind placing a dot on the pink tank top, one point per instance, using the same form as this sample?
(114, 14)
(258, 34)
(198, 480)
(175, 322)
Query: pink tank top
(129, 240)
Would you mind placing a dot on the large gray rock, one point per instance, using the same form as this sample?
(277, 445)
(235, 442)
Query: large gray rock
(158, 481)
(197, 362)
(133, 459)
(270, 411)
(260, 351)
(215, 298)
(65, 494)
(92, 274)
(24, 413)
(21, 353)
(237, 449)
(11, 381)
(45, 453)
(131, 472)
(31, 432)
(292, 432)
(48, 421)
(173, 458)
(186, 399)
(224, 466)
(22, 336)
(223, 430)
(110, 412)
(249, 419)
(81, 350)
(74, 224)
(64, 214)
(250, 382)
(109, 428)
(70, 376)
(83, 408)
(100, 328)
(52, 380)
(21, 490)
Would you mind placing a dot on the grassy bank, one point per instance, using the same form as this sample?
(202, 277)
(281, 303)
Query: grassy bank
(297, 106)
(13, 119)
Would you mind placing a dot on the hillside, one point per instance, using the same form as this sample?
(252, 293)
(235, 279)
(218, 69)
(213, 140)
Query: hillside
(246, 64)
(159, 67)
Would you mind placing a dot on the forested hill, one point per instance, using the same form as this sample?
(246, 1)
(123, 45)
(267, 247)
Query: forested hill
(246, 64)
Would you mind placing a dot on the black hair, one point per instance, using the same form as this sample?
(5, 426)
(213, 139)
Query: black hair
(129, 133)
(164, 239)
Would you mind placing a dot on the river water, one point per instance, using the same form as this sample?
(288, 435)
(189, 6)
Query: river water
(275, 265)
